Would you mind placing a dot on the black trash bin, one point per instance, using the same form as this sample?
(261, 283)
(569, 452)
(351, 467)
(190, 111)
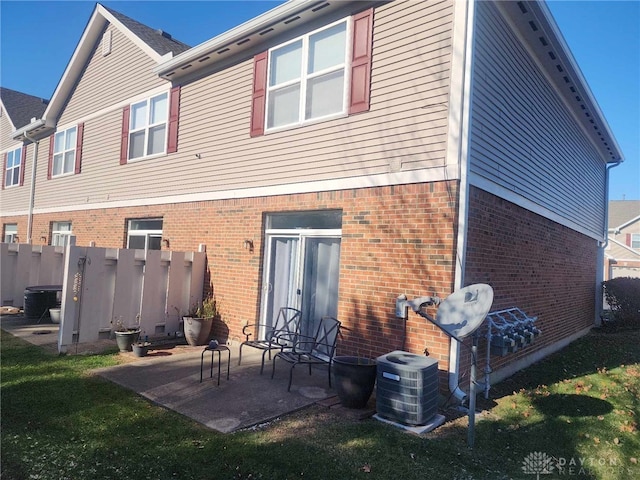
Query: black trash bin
(39, 299)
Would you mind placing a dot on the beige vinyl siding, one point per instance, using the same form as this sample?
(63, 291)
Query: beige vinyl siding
(522, 136)
(6, 142)
(125, 72)
(13, 199)
(405, 129)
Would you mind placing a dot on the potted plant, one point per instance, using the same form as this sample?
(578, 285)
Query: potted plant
(141, 347)
(354, 378)
(126, 335)
(198, 321)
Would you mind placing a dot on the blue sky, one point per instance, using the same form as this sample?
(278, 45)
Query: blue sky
(604, 37)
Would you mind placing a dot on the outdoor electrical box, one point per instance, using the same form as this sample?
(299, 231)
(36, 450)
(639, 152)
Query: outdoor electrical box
(407, 388)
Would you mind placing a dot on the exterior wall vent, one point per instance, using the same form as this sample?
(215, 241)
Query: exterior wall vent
(106, 43)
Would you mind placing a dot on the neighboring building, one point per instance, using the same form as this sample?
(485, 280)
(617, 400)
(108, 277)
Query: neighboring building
(622, 256)
(17, 109)
(333, 156)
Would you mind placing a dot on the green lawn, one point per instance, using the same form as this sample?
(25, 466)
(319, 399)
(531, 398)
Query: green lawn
(579, 406)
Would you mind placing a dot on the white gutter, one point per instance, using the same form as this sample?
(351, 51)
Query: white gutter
(32, 194)
(464, 114)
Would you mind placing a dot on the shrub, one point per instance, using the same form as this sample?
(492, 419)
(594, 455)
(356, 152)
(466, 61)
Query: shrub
(623, 296)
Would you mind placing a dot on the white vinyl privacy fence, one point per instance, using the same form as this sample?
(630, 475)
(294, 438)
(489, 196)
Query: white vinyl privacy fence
(103, 284)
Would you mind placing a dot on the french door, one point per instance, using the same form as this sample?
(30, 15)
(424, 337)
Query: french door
(302, 270)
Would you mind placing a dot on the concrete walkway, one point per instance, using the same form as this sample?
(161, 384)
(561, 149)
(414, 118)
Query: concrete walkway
(170, 376)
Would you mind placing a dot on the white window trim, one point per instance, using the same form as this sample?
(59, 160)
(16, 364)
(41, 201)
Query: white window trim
(147, 127)
(304, 78)
(146, 233)
(19, 167)
(57, 234)
(64, 152)
(13, 234)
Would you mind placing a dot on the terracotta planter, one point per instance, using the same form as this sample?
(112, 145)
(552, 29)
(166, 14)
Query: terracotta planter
(354, 379)
(197, 330)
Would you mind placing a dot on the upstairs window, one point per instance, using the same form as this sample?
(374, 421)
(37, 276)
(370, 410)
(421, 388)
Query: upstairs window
(65, 151)
(635, 240)
(148, 127)
(323, 74)
(307, 77)
(13, 168)
(60, 234)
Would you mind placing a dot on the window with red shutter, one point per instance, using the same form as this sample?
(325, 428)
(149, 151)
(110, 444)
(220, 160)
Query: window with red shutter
(314, 77)
(174, 117)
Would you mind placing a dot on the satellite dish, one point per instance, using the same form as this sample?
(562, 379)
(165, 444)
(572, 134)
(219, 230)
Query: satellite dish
(462, 312)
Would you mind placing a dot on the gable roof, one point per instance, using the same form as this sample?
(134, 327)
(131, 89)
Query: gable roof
(158, 45)
(20, 107)
(158, 40)
(623, 212)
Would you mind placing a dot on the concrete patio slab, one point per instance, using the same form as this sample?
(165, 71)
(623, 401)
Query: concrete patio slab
(170, 376)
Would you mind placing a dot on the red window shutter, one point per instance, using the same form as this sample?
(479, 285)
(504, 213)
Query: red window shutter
(259, 95)
(4, 169)
(124, 140)
(50, 165)
(174, 116)
(628, 240)
(79, 136)
(362, 41)
(23, 163)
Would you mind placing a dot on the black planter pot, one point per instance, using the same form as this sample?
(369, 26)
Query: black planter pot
(354, 379)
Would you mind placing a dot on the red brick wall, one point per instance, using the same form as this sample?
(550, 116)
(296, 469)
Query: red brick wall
(546, 269)
(395, 240)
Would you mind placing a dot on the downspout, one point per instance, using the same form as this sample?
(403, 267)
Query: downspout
(463, 195)
(601, 249)
(32, 196)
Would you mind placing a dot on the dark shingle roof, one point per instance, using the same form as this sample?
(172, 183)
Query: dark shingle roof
(160, 41)
(21, 107)
(622, 211)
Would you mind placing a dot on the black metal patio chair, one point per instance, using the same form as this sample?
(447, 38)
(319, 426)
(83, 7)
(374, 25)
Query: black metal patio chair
(316, 350)
(278, 336)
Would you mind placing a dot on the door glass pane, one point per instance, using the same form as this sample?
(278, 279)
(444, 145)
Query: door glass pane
(320, 282)
(325, 95)
(281, 285)
(322, 219)
(286, 63)
(327, 48)
(284, 106)
(146, 224)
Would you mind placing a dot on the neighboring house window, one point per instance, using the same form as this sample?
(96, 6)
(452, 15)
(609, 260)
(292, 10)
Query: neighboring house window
(60, 233)
(65, 151)
(10, 233)
(635, 240)
(150, 127)
(13, 168)
(145, 233)
(322, 74)
(307, 77)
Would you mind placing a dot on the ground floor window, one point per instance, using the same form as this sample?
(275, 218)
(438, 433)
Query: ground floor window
(60, 233)
(145, 233)
(10, 233)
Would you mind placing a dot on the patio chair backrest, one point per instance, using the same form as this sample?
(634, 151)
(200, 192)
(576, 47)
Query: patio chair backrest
(326, 337)
(287, 324)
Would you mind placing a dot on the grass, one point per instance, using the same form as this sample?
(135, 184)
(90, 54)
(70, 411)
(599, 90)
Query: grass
(579, 406)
